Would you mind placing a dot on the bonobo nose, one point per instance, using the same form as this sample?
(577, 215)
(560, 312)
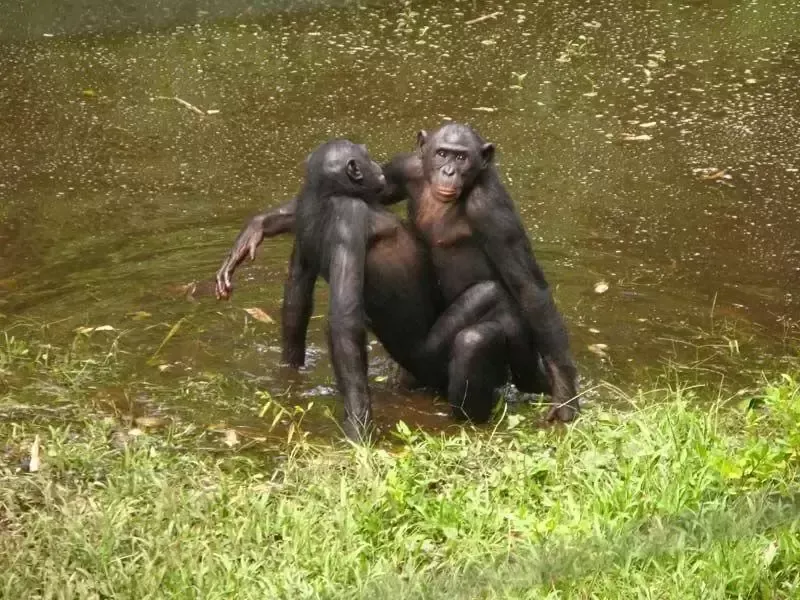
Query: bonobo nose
(449, 170)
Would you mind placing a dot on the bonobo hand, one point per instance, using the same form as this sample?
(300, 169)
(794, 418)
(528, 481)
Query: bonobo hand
(245, 245)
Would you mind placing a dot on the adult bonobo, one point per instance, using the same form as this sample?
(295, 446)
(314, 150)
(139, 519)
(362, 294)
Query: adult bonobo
(459, 207)
(377, 271)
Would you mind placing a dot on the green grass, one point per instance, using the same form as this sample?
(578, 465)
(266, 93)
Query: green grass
(681, 496)
(667, 501)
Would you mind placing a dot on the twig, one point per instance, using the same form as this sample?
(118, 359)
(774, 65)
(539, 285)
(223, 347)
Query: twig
(493, 15)
(182, 102)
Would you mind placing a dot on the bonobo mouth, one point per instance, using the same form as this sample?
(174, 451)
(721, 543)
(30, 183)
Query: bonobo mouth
(445, 193)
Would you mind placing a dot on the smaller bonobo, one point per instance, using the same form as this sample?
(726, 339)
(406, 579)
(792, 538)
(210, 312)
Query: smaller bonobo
(459, 207)
(331, 235)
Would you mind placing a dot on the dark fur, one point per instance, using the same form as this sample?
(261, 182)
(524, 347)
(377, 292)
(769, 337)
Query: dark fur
(378, 274)
(462, 211)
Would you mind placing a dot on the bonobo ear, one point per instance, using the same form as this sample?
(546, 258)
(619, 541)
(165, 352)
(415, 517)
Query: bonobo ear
(487, 154)
(353, 172)
(422, 138)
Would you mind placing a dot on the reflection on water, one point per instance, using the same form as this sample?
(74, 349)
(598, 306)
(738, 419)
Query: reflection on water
(649, 145)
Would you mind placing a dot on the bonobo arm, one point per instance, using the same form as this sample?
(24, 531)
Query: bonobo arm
(298, 304)
(399, 172)
(498, 227)
(267, 224)
(346, 237)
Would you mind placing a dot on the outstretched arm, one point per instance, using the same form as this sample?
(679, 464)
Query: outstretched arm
(347, 332)
(492, 215)
(267, 224)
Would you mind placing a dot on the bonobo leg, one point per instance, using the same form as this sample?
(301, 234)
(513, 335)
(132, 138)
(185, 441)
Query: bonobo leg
(298, 304)
(488, 302)
(524, 360)
(477, 370)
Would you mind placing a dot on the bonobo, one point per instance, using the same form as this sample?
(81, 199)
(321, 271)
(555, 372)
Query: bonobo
(377, 271)
(461, 210)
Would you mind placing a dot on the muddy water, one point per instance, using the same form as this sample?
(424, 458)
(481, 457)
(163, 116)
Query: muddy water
(649, 145)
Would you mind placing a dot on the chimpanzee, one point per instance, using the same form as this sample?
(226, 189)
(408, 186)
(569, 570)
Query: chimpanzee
(459, 207)
(377, 271)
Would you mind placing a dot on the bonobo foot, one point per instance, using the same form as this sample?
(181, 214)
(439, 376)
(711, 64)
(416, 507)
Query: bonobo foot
(564, 382)
(359, 432)
(563, 412)
(406, 381)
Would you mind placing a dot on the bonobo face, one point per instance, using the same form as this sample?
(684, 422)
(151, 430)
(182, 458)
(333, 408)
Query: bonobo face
(452, 158)
(342, 167)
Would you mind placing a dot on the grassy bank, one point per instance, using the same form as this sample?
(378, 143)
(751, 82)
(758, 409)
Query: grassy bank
(667, 501)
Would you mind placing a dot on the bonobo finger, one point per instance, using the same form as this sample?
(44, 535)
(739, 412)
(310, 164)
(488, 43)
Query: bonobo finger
(222, 293)
(219, 288)
(252, 248)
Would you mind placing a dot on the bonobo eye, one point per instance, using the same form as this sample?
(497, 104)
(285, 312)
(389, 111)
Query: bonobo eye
(461, 157)
(441, 153)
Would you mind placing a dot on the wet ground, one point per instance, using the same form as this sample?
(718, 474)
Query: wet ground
(652, 146)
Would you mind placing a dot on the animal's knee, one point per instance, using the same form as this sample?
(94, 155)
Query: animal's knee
(469, 341)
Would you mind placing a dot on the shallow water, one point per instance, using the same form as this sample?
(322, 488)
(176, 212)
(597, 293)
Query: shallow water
(650, 145)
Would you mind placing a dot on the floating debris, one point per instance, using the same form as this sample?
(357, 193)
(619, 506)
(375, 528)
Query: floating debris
(150, 422)
(231, 438)
(599, 350)
(259, 315)
(630, 137)
(34, 462)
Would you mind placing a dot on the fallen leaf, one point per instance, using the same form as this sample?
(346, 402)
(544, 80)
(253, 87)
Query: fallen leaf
(598, 349)
(259, 315)
(715, 175)
(88, 330)
(770, 553)
(34, 463)
(139, 315)
(149, 422)
(643, 137)
(601, 287)
(231, 438)
(484, 109)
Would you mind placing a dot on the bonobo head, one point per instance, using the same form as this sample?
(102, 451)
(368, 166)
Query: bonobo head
(453, 157)
(340, 167)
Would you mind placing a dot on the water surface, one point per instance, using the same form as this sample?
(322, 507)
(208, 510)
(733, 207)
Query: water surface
(650, 145)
